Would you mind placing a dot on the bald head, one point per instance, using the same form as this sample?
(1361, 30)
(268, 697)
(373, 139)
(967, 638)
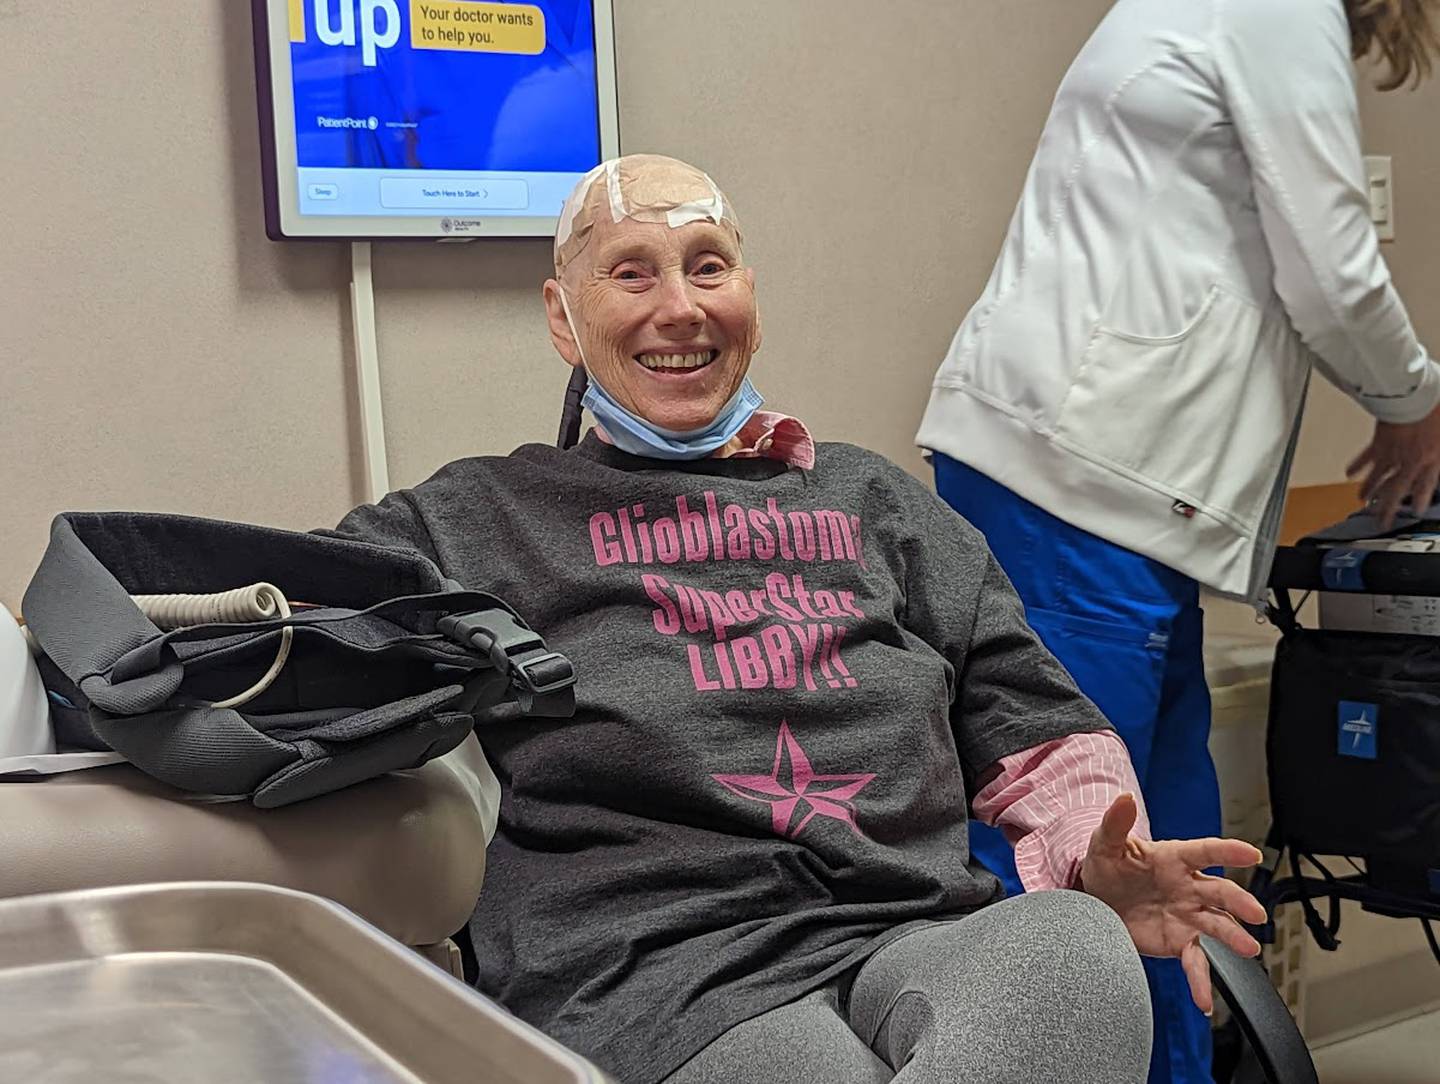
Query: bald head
(643, 188)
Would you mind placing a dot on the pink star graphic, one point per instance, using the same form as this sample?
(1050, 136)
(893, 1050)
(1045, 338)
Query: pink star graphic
(820, 795)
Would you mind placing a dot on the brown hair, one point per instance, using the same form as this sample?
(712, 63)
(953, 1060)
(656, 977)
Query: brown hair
(1403, 33)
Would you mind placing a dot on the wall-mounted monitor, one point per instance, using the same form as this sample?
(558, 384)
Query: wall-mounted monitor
(430, 118)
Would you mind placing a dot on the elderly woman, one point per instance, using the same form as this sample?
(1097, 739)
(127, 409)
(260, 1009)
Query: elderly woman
(745, 857)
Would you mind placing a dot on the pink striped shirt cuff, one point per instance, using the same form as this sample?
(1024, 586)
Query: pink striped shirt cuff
(1049, 799)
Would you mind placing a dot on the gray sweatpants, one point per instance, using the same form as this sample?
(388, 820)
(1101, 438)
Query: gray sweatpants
(1045, 987)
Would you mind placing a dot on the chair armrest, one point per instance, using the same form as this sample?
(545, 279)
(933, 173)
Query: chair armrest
(405, 851)
(1265, 1021)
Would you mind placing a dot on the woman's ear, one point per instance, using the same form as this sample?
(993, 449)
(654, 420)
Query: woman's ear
(562, 335)
(759, 331)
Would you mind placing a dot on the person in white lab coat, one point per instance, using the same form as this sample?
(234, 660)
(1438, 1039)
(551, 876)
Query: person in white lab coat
(1118, 411)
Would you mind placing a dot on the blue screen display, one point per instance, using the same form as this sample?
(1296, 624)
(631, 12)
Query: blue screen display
(427, 107)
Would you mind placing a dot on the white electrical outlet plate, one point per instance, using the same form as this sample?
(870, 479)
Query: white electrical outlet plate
(1380, 178)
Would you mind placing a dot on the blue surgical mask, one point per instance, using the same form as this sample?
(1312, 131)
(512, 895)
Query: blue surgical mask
(633, 434)
(637, 436)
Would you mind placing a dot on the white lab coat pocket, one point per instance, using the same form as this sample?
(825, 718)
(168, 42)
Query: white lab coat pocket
(1194, 413)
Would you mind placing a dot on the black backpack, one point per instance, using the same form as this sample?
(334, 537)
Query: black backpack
(386, 663)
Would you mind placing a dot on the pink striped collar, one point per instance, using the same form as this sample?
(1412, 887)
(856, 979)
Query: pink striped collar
(772, 435)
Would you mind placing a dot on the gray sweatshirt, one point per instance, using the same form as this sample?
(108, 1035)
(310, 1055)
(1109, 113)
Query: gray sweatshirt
(788, 682)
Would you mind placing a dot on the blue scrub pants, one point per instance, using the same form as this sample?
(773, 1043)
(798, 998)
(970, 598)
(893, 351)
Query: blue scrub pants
(1129, 631)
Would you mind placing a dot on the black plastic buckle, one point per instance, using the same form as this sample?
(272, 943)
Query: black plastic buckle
(497, 633)
(513, 647)
(522, 671)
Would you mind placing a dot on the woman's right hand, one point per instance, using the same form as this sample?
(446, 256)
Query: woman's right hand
(1401, 461)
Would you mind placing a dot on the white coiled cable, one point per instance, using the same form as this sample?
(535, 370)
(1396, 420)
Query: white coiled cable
(258, 602)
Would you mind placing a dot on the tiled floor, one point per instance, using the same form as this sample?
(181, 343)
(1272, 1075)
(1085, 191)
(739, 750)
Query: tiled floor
(1404, 1053)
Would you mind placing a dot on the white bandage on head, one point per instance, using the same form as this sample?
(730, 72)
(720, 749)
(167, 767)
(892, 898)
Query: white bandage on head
(643, 187)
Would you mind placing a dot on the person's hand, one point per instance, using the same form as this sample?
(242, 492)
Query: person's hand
(1164, 899)
(1400, 461)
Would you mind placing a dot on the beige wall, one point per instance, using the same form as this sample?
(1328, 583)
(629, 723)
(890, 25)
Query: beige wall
(1403, 125)
(157, 352)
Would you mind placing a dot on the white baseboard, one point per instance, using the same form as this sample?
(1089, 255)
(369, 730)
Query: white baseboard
(1353, 1002)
